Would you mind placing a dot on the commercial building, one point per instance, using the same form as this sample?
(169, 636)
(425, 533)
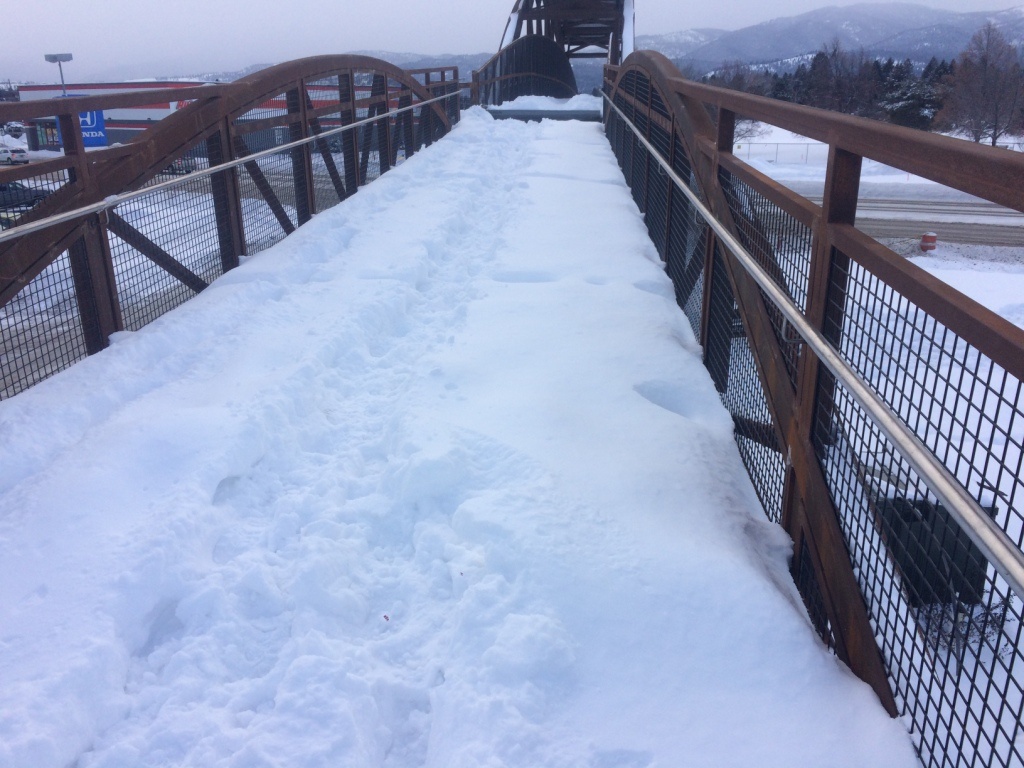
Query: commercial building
(117, 126)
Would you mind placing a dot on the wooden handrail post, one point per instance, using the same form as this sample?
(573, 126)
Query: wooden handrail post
(92, 267)
(226, 199)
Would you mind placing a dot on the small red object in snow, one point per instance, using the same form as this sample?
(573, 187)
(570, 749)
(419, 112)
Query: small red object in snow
(929, 241)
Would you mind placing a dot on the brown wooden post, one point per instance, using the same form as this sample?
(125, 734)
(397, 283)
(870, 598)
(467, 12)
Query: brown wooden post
(302, 167)
(717, 312)
(427, 115)
(716, 351)
(809, 513)
(405, 120)
(349, 139)
(92, 267)
(226, 199)
(670, 188)
(384, 125)
(457, 97)
(726, 130)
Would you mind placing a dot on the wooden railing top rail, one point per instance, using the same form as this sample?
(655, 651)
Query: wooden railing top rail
(996, 175)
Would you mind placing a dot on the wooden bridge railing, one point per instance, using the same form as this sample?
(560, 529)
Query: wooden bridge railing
(900, 477)
(229, 174)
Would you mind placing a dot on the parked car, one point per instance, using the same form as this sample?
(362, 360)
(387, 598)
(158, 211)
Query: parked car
(13, 155)
(181, 165)
(14, 194)
(14, 129)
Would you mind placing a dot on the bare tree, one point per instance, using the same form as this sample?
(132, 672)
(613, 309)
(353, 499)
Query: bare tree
(738, 76)
(985, 90)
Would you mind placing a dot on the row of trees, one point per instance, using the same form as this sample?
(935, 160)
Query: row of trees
(980, 94)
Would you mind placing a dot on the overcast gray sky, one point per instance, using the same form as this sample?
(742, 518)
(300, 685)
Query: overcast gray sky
(118, 39)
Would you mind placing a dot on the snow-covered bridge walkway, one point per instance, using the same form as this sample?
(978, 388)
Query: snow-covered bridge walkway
(439, 480)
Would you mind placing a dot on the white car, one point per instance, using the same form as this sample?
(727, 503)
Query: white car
(13, 156)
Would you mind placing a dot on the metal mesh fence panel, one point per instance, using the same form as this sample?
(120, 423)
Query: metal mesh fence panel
(948, 625)
(40, 329)
(730, 360)
(681, 237)
(267, 188)
(165, 247)
(810, 590)
(781, 245)
(966, 409)
(328, 161)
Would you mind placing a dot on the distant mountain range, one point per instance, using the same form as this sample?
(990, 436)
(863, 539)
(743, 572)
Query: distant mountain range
(899, 30)
(466, 62)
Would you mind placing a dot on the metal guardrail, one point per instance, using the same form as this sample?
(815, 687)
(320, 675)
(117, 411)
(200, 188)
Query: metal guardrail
(879, 412)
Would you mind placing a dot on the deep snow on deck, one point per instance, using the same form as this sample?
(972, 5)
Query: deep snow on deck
(439, 480)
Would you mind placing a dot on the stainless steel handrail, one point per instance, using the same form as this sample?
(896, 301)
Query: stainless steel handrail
(114, 200)
(994, 543)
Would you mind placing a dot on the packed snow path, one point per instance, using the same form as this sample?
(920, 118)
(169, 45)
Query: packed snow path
(439, 480)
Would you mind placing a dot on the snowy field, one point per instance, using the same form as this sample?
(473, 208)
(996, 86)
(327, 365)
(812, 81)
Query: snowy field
(439, 480)
(991, 275)
(800, 162)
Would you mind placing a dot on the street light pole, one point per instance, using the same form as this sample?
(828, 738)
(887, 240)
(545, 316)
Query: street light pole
(59, 59)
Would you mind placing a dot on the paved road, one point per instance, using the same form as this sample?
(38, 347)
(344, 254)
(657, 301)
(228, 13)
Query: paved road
(978, 223)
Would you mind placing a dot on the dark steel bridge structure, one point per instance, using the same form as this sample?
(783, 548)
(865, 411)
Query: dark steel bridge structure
(879, 412)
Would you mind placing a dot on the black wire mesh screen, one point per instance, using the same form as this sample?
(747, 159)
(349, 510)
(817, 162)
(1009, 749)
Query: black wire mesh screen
(164, 246)
(810, 590)
(531, 66)
(730, 360)
(949, 627)
(782, 246)
(40, 329)
(19, 196)
(329, 167)
(327, 155)
(267, 190)
(681, 236)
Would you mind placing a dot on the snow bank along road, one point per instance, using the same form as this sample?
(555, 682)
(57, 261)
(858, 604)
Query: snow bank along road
(439, 480)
